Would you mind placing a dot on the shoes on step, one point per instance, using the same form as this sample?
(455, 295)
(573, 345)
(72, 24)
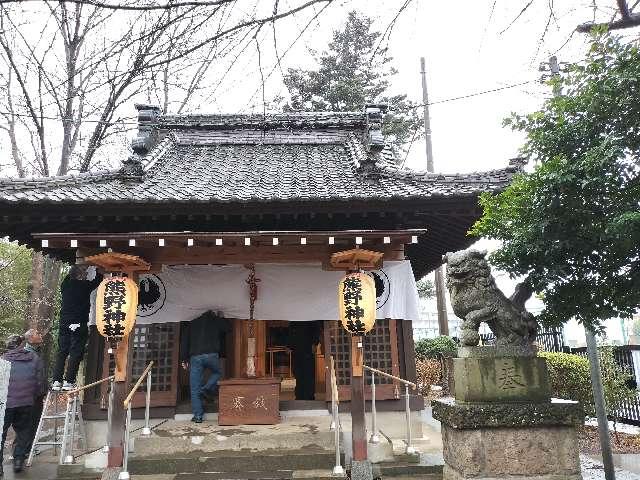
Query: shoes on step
(18, 465)
(56, 386)
(195, 419)
(68, 386)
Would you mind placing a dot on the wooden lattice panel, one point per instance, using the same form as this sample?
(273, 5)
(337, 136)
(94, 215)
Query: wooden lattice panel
(157, 342)
(380, 352)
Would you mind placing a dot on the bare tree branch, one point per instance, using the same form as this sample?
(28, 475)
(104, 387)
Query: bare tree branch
(138, 8)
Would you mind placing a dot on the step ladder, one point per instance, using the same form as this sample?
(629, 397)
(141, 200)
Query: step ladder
(60, 409)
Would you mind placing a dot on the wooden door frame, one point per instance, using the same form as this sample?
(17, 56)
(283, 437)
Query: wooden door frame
(158, 399)
(383, 391)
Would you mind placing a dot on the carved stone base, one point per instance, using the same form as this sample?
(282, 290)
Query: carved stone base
(509, 441)
(501, 379)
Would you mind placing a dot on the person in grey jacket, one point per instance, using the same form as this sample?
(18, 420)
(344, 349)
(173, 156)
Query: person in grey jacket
(26, 382)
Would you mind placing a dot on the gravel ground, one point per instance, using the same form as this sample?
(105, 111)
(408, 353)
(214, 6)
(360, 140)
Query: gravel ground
(623, 442)
(592, 470)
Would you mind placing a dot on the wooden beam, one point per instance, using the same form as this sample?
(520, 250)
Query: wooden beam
(293, 235)
(242, 255)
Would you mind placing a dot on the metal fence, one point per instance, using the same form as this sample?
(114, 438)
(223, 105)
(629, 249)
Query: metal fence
(629, 412)
(549, 340)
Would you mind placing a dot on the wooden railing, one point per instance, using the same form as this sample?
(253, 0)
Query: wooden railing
(124, 474)
(335, 421)
(84, 387)
(388, 375)
(137, 385)
(374, 427)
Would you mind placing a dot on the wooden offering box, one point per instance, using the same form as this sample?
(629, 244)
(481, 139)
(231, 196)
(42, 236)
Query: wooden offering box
(249, 401)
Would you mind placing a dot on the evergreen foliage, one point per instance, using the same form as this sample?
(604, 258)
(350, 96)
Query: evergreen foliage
(353, 71)
(572, 225)
(436, 347)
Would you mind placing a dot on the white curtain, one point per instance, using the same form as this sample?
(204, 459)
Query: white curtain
(285, 292)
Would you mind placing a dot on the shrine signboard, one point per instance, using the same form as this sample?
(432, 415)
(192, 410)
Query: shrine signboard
(249, 401)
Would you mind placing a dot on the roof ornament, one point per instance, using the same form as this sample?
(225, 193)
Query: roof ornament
(375, 139)
(132, 168)
(147, 134)
(518, 163)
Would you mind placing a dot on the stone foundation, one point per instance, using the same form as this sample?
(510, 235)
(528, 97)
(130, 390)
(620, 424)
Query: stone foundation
(509, 441)
(541, 453)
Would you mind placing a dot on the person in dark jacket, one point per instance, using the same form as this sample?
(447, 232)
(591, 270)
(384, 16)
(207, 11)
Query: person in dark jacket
(303, 336)
(201, 343)
(73, 330)
(26, 381)
(33, 344)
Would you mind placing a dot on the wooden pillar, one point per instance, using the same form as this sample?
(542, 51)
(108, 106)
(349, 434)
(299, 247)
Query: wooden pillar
(116, 429)
(358, 427)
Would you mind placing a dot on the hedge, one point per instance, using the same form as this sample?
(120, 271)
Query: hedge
(570, 378)
(434, 347)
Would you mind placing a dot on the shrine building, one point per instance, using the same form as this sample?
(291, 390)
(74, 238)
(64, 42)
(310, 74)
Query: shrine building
(206, 200)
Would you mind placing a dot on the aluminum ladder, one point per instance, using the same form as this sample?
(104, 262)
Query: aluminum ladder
(52, 413)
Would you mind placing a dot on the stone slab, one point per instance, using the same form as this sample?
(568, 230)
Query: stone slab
(174, 437)
(506, 415)
(501, 379)
(449, 474)
(361, 470)
(498, 351)
(540, 453)
(264, 461)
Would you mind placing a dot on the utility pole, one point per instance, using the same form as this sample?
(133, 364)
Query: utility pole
(601, 406)
(592, 347)
(441, 299)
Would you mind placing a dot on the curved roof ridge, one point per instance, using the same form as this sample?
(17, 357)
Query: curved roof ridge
(270, 120)
(157, 151)
(479, 176)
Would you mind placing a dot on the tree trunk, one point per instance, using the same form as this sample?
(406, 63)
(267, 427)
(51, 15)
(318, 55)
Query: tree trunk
(40, 312)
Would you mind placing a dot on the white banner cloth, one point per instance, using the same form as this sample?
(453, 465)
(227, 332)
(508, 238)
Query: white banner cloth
(285, 292)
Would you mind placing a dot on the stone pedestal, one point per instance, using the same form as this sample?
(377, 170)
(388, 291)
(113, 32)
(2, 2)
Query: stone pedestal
(502, 423)
(502, 379)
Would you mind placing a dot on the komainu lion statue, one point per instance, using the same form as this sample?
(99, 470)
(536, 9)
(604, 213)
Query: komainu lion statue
(475, 298)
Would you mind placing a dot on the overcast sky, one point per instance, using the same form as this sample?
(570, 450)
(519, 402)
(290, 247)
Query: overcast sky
(470, 46)
(467, 51)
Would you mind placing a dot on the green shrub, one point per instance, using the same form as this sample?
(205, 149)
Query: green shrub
(570, 378)
(433, 347)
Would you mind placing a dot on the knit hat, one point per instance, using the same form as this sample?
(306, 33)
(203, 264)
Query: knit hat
(13, 342)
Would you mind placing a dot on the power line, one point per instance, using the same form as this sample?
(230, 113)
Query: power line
(470, 95)
(121, 122)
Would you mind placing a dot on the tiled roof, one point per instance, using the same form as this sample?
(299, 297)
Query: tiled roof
(248, 158)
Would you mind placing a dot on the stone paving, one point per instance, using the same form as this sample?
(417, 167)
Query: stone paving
(430, 446)
(593, 470)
